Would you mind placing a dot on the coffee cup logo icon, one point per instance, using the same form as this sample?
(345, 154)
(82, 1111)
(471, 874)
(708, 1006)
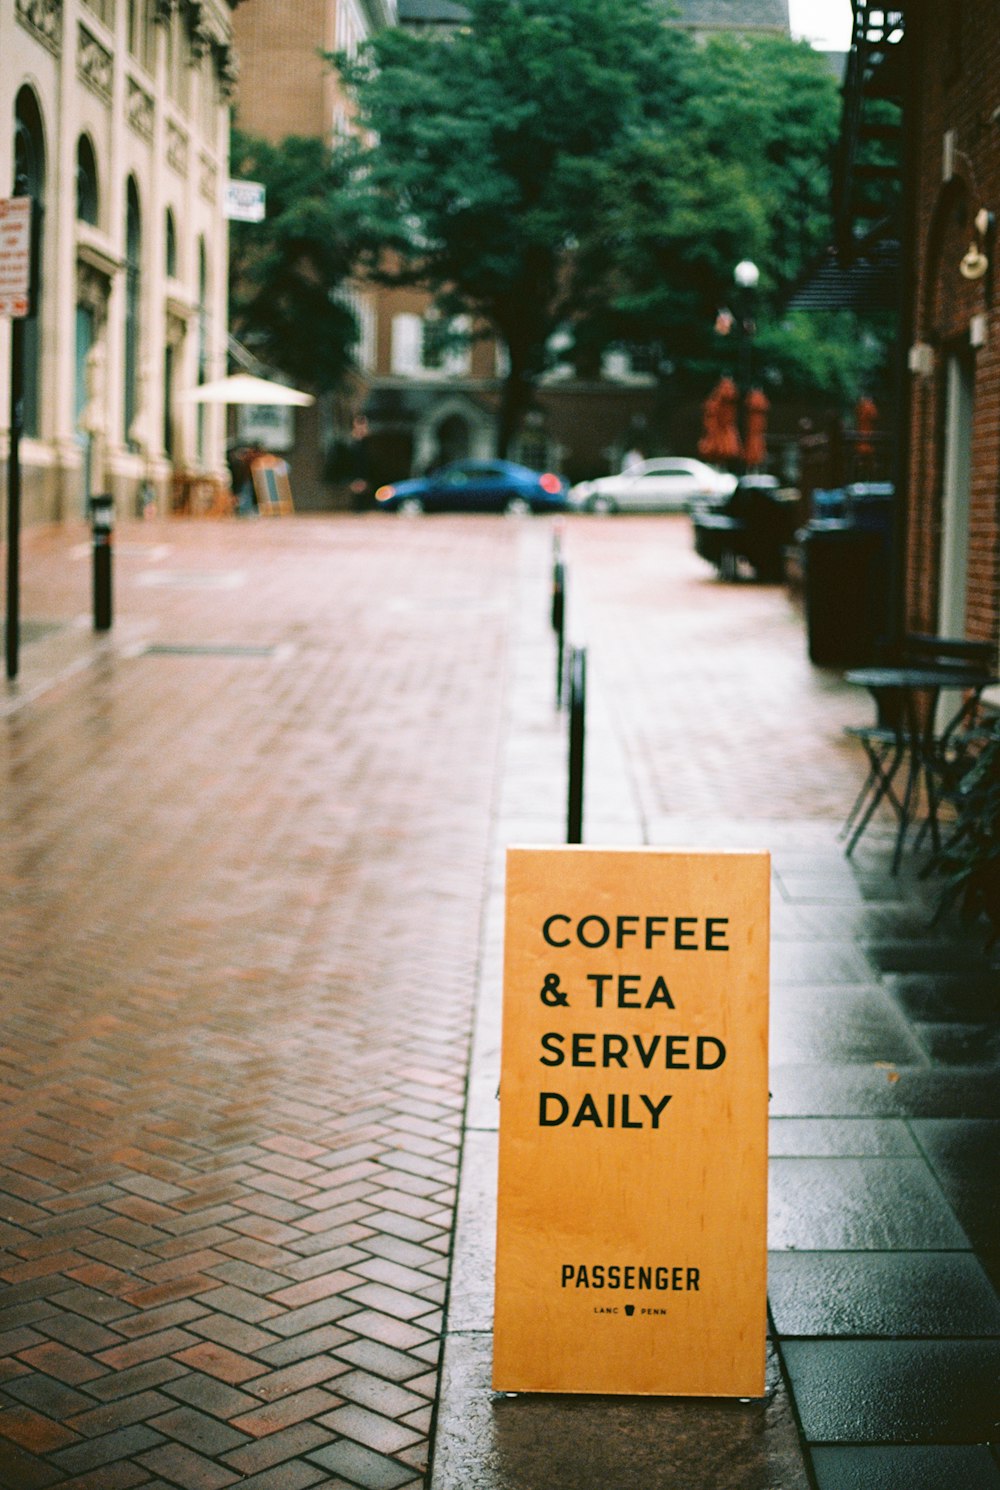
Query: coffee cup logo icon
(630, 1310)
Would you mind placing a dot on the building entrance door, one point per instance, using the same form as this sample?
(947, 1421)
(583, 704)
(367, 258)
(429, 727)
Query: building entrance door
(956, 495)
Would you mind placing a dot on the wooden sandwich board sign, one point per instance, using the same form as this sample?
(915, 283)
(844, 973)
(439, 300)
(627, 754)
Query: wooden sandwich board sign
(632, 1223)
(272, 487)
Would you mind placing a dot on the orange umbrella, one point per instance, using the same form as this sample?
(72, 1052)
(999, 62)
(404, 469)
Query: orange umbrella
(757, 407)
(865, 417)
(710, 427)
(729, 447)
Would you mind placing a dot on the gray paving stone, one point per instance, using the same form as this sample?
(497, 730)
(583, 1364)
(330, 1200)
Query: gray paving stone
(490, 1442)
(895, 1391)
(838, 1025)
(921, 1294)
(858, 1204)
(875, 1091)
(905, 1469)
(839, 1137)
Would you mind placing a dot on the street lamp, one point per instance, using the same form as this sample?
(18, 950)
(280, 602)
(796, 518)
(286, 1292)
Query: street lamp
(746, 274)
(747, 277)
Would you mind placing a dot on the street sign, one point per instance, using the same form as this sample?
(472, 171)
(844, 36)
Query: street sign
(245, 201)
(15, 257)
(631, 1239)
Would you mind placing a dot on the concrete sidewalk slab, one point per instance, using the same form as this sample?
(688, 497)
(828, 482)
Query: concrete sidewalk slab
(837, 1032)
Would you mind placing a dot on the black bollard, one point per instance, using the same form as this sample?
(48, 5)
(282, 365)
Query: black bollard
(559, 624)
(102, 518)
(577, 732)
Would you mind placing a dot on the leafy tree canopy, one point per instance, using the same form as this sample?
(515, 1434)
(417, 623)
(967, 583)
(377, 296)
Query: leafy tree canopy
(583, 169)
(495, 147)
(741, 173)
(286, 272)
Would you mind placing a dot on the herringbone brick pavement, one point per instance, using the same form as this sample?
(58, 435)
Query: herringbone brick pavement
(242, 880)
(246, 848)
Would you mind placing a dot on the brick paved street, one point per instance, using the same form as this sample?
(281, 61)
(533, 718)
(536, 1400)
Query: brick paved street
(250, 849)
(242, 894)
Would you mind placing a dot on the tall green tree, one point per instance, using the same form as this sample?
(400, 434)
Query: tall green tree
(581, 168)
(495, 147)
(286, 274)
(742, 172)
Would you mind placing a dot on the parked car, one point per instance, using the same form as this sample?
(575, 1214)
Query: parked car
(754, 524)
(666, 484)
(477, 486)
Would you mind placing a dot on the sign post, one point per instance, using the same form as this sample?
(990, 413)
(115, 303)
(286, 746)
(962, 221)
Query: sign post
(245, 201)
(631, 1241)
(16, 302)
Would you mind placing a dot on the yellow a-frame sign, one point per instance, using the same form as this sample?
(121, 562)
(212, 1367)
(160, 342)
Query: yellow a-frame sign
(631, 1245)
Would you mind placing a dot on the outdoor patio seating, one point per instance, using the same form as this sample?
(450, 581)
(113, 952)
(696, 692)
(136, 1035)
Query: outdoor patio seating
(908, 733)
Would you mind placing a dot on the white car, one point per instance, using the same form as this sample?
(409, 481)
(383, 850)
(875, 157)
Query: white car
(667, 484)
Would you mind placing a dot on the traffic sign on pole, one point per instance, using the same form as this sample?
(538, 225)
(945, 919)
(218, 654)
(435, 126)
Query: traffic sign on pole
(15, 257)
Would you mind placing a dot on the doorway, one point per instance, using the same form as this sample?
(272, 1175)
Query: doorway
(956, 494)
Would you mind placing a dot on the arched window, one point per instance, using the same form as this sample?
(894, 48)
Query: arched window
(29, 147)
(170, 250)
(87, 197)
(133, 302)
(29, 176)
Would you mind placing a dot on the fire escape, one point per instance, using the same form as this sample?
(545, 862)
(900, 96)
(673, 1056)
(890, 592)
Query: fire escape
(861, 269)
(868, 180)
(866, 269)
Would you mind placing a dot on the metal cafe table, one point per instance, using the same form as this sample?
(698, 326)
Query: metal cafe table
(905, 739)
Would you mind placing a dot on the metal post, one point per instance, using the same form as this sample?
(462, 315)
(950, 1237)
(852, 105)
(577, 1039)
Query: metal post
(577, 732)
(102, 517)
(559, 624)
(29, 308)
(13, 628)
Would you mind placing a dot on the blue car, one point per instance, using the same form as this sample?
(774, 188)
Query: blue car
(477, 486)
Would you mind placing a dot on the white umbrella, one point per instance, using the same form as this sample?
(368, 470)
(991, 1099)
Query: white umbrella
(242, 389)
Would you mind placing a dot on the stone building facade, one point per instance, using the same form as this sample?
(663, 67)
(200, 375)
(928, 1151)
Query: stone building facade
(118, 120)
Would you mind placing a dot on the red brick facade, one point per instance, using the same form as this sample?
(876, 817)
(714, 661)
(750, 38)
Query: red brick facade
(953, 525)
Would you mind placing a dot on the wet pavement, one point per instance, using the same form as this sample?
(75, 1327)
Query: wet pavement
(252, 890)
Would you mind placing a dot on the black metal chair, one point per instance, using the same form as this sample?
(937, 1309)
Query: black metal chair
(952, 747)
(885, 745)
(904, 733)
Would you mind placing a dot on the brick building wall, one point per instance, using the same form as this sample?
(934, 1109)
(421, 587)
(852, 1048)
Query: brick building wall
(285, 86)
(953, 529)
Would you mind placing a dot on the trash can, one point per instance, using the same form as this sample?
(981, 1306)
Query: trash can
(827, 502)
(846, 591)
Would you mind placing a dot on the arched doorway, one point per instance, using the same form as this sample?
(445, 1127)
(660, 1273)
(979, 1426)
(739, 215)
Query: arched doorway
(956, 491)
(454, 440)
(945, 406)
